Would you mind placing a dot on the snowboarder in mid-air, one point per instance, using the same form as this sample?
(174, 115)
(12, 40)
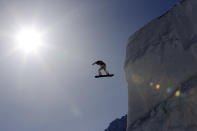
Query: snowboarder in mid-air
(102, 67)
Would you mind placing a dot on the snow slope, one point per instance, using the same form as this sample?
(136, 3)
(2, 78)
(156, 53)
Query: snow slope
(163, 54)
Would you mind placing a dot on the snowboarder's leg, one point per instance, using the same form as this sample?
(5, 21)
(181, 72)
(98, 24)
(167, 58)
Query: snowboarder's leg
(99, 71)
(106, 70)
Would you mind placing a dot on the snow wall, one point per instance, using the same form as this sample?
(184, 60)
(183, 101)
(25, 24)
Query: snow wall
(161, 71)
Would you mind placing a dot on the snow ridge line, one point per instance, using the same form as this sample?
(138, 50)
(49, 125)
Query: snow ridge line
(163, 15)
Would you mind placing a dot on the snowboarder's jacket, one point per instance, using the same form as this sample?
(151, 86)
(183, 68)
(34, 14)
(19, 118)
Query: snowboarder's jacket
(100, 63)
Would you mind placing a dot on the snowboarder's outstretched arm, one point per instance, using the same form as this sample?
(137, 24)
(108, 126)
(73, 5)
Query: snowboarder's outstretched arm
(94, 63)
(99, 62)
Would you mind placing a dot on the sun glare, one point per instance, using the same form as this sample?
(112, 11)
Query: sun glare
(29, 40)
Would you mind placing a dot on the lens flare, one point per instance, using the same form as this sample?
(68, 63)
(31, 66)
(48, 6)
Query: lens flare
(158, 86)
(151, 83)
(169, 90)
(177, 93)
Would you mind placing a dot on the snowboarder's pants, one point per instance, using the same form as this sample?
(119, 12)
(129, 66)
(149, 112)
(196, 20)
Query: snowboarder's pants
(103, 67)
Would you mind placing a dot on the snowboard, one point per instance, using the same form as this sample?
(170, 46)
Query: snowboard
(110, 75)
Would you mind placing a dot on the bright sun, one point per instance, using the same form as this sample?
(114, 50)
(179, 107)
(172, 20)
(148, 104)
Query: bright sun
(29, 40)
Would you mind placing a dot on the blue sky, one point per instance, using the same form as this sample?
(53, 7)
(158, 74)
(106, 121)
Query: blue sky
(57, 89)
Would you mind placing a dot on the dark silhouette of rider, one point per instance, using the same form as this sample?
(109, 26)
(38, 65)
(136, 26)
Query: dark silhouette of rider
(102, 67)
